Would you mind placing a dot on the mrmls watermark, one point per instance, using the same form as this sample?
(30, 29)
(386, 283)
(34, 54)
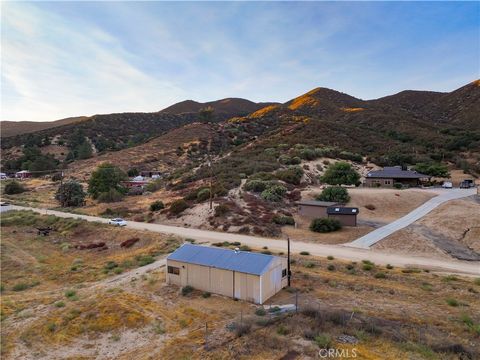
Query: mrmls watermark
(338, 353)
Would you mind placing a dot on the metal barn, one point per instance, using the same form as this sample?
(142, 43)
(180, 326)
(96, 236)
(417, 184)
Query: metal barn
(238, 274)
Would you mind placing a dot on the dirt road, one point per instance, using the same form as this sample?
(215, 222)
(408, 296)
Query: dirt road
(338, 251)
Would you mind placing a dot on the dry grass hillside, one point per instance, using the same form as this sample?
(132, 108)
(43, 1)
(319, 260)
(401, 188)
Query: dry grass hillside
(12, 128)
(58, 301)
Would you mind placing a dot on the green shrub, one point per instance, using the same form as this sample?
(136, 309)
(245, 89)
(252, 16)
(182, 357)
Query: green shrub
(178, 206)
(266, 252)
(340, 173)
(331, 267)
(260, 312)
(70, 294)
(255, 185)
(282, 330)
(144, 260)
(274, 309)
(110, 265)
(323, 341)
(112, 195)
(477, 281)
(60, 304)
(274, 193)
(14, 187)
(397, 185)
(245, 248)
(283, 220)
(157, 205)
(206, 295)
(20, 287)
(304, 253)
(335, 194)
(389, 267)
(432, 169)
(203, 194)
(330, 257)
(155, 185)
(310, 265)
(292, 175)
(367, 267)
(452, 302)
(325, 225)
(380, 275)
(187, 290)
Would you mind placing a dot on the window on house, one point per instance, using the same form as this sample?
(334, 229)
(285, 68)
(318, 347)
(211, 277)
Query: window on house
(284, 273)
(174, 270)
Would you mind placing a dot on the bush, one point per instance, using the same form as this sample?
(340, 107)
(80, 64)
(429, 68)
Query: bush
(325, 225)
(370, 207)
(331, 267)
(203, 194)
(304, 253)
(282, 330)
(432, 169)
(14, 187)
(20, 287)
(310, 265)
(335, 194)
(283, 220)
(145, 260)
(187, 290)
(109, 196)
(323, 341)
(260, 312)
(292, 175)
(367, 267)
(206, 295)
(340, 173)
(389, 267)
(70, 194)
(110, 265)
(221, 210)
(380, 275)
(60, 304)
(70, 294)
(452, 302)
(274, 193)
(242, 329)
(178, 206)
(397, 185)
(157, 205)
(255, 185)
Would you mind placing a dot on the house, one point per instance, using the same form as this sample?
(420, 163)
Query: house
(393, 175)
(347, 216)
(24, 174)
(150, 174)
(314, 209)
(238, 274)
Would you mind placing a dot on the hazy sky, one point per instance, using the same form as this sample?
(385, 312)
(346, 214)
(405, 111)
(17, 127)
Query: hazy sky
(67, 59)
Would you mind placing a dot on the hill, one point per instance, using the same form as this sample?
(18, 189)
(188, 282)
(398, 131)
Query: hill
(228, 107)
(12, 128)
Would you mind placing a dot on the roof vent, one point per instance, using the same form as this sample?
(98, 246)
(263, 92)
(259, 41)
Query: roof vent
(237, 250)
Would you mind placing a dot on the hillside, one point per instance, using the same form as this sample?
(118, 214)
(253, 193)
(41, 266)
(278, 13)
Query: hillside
(12, 128)
(224, 108)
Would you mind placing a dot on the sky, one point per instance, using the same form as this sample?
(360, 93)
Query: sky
(62, 59)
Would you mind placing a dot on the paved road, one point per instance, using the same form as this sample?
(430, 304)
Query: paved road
(340, 252)
(376, 235)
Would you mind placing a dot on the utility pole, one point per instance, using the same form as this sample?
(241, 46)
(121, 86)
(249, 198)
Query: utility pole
(289, 273)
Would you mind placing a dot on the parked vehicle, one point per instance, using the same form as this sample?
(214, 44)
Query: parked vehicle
(117, 222)
(447, 185)
(467, 184)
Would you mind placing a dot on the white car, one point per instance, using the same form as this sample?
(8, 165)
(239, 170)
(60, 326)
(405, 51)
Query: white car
(447, 185)
(117, 222)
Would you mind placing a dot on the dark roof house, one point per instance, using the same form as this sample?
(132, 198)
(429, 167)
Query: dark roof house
(394, 174)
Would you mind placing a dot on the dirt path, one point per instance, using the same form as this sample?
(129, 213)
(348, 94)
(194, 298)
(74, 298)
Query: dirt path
(338, 251)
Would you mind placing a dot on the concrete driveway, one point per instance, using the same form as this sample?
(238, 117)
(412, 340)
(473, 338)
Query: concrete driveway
(444, 195)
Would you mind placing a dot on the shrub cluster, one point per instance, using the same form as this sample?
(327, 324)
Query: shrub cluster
(178, 206)
(283, 220)
(14, 187)
(157, 205)
(325, 225)
(274, 193)
(335, 194)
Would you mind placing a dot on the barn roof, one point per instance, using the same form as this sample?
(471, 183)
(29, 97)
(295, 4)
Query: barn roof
(394, 172)
(241, 261)
(342, 210)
